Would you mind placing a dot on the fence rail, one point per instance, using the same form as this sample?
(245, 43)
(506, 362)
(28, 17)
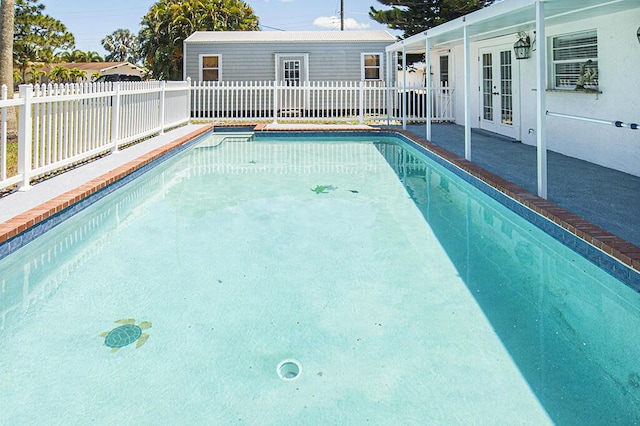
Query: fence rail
(318, 101)
(61, 125)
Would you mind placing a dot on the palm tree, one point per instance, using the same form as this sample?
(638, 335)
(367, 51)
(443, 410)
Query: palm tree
(93, 56)
(60, 74)
(6, 59)
(76, 74)
(169, 22)
(79, 56)
(36, 74)
(122, 46)
(6, 43)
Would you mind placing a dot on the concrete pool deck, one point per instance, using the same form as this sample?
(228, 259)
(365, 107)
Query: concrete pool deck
(597, 204)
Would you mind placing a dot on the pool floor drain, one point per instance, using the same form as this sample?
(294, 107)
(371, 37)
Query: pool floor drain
(289, 369)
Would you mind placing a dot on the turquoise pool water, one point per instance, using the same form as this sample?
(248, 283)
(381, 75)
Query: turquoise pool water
(406, 297)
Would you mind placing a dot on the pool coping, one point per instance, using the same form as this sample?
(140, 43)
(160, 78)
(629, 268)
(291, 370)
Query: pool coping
(617, 248)
(27, 220)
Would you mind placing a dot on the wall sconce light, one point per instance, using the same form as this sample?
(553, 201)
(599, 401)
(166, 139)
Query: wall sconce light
(638, 34)
(522, 47)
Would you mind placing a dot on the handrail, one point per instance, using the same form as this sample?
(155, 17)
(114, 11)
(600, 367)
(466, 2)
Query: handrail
(632, 126)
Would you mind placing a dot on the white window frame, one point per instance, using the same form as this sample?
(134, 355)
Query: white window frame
(201, 65)
(380, 66)
(576, 61)
(304, 72)
(447, 71)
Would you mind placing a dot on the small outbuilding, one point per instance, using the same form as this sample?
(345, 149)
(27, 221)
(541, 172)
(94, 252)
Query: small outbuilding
(293, 57)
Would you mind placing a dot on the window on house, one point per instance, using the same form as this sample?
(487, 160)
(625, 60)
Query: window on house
(444, 70)
(210, 67)
(292, 72)
(575, 60)
(371, 66)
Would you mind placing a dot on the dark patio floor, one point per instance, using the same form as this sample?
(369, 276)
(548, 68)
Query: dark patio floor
(605, 197)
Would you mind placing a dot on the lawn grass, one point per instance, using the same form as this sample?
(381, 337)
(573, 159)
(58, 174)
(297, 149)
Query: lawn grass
(12, 158)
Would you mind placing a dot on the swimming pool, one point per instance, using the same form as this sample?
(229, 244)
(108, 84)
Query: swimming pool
(403, 295)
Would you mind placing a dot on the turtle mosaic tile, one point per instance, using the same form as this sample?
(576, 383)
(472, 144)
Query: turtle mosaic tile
(593, 242)
(127, 333)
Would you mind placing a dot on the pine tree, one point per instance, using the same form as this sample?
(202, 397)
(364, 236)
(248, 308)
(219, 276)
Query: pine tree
(415, 16)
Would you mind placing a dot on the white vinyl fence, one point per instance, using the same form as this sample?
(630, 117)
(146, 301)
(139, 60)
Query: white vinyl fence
(319, 101)
(61, 125)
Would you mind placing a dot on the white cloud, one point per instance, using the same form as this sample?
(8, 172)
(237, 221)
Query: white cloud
(333, 22)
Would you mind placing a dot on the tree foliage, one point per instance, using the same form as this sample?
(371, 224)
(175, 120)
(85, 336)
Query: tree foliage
(37, 37)
(415, 16)
(7, 74)
(6, 44)
(169, 22)
(122, 46)
(79, 56)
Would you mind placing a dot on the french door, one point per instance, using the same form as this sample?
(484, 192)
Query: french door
(498, 91)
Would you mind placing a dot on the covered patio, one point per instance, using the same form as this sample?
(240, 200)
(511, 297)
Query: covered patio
(603, 196)
(511, 17)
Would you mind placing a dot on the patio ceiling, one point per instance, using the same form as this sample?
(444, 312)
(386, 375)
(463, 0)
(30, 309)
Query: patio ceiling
(510, 17)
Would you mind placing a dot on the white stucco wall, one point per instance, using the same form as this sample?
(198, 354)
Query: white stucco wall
(619, 82)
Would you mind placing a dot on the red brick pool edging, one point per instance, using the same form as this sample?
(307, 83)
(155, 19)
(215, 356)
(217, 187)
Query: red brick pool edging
(624, 251)
(23, 221)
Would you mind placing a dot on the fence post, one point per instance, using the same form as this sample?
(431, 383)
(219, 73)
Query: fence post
(163, 86)
(188, 106)
(3, 137)
(115, 117)
(275, 102)
(361, 102)
(25, 136)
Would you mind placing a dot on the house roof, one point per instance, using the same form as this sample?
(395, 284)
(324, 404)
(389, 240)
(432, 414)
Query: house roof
(510, 17)
(289, 36)
(91, 67)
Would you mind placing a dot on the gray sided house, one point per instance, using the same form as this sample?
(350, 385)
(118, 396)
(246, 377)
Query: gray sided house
(294, 57)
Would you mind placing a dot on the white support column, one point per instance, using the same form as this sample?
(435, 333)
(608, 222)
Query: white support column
(404, 87)
(427, 70)
(467, 96)
(541, 95)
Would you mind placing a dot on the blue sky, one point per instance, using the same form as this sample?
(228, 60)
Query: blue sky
(91, 20)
